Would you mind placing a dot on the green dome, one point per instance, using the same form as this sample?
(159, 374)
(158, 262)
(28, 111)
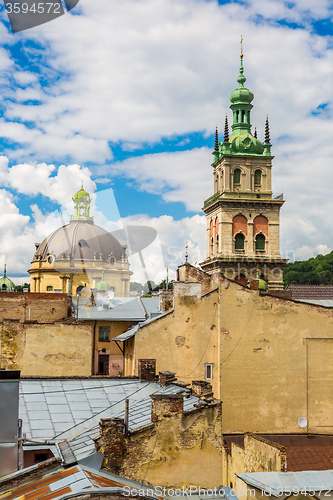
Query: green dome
(80, 194)
(6, 285)
(263, 285)
(245, 143)
(241, 95)
(102, 286)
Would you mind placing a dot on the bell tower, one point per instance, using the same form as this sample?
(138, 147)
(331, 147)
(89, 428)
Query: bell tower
(243, 214)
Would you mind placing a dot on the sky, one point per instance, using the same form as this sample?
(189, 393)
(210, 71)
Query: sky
(124, 96)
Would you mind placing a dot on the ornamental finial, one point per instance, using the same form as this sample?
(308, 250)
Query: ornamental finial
(226, 129)
(216, 140)
(241, 44)
(186, 254)
(267, 137)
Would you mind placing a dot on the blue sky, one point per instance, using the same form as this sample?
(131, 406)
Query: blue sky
(125, 96)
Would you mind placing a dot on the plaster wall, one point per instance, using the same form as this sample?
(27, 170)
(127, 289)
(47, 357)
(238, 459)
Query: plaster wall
(182, 450)
(46, 350)
(183, 340)
(266, 359)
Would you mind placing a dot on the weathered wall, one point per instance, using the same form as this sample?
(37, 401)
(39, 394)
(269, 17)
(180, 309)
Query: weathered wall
(55, 349)
(272, 357)
(180, 450)
(267, 356)
(183, 340)
(36, 307)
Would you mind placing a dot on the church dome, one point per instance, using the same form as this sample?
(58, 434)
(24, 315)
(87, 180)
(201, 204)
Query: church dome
(6, 284)
(80, 240)
(80, 194)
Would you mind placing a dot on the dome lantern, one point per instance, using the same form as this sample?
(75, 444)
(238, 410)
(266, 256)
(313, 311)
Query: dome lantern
(82, 202)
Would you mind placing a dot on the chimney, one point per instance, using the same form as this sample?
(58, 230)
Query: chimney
(166, 378)
(147, 370)
(111, 442)
(202, 389)
(166, 406)
(165, 300)
(9, 405)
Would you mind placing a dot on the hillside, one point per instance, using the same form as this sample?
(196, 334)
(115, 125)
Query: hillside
(315, 271)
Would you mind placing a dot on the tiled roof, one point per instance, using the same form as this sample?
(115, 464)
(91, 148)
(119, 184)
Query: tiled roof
(304, 452)
(311, 452)
(316, 292)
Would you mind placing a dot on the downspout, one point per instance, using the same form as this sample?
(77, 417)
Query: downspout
(93, 348)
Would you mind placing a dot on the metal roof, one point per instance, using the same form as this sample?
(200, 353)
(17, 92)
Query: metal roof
(133, 329)
(279, 484)
(317, 302)
(71, 409)
(118, 309)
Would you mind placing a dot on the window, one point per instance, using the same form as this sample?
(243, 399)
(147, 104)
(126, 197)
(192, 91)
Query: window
(260, 242)
(104, 334)
(209, 371)
(237, 176)
(239, 241)
(49, 288)
(257, 178)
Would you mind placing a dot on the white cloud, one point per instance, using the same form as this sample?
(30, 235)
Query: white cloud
(184, 176)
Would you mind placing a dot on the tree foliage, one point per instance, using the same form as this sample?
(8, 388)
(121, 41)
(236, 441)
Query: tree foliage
(315, 271)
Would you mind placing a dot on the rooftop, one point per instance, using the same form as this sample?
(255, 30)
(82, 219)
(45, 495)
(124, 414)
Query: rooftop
(313, 292)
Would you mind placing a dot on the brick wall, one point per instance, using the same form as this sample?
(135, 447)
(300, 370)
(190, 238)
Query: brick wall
(34, 307)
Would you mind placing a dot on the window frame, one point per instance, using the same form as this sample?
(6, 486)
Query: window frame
(105, 330)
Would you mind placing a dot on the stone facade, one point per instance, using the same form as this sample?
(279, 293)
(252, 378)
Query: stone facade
(243, 214)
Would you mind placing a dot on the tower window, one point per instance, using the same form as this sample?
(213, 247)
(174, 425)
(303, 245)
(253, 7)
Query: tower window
(260, 242)
(257, 178)
(239, 241)
(243, 115)
(237, 176)
(49, 288)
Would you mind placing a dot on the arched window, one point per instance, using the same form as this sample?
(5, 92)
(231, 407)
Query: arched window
(4, 288)
(237, 176)
(239, 241)
(260, 242)
(49, 288)
(243, 115)
(211, 227)
(257, 178)
(237, 116)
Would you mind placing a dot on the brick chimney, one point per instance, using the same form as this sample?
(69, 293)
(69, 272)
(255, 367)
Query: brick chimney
(147, 370)
(111, 442)
(166, 378)
(201, 389)
(166, 406)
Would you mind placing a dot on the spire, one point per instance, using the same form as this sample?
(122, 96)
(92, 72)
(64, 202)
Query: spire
(267, 138)
(5, 271)
(186, 254)
(255, 133)
(216, 140)
(226, 129)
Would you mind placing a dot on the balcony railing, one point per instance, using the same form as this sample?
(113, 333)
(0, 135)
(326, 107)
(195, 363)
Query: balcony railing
(212, 198)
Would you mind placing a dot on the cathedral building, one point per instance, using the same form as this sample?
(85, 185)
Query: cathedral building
(243, 214)
(80, 254)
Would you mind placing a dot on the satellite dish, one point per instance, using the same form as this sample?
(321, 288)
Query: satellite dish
(302, 422)
(85, 292)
